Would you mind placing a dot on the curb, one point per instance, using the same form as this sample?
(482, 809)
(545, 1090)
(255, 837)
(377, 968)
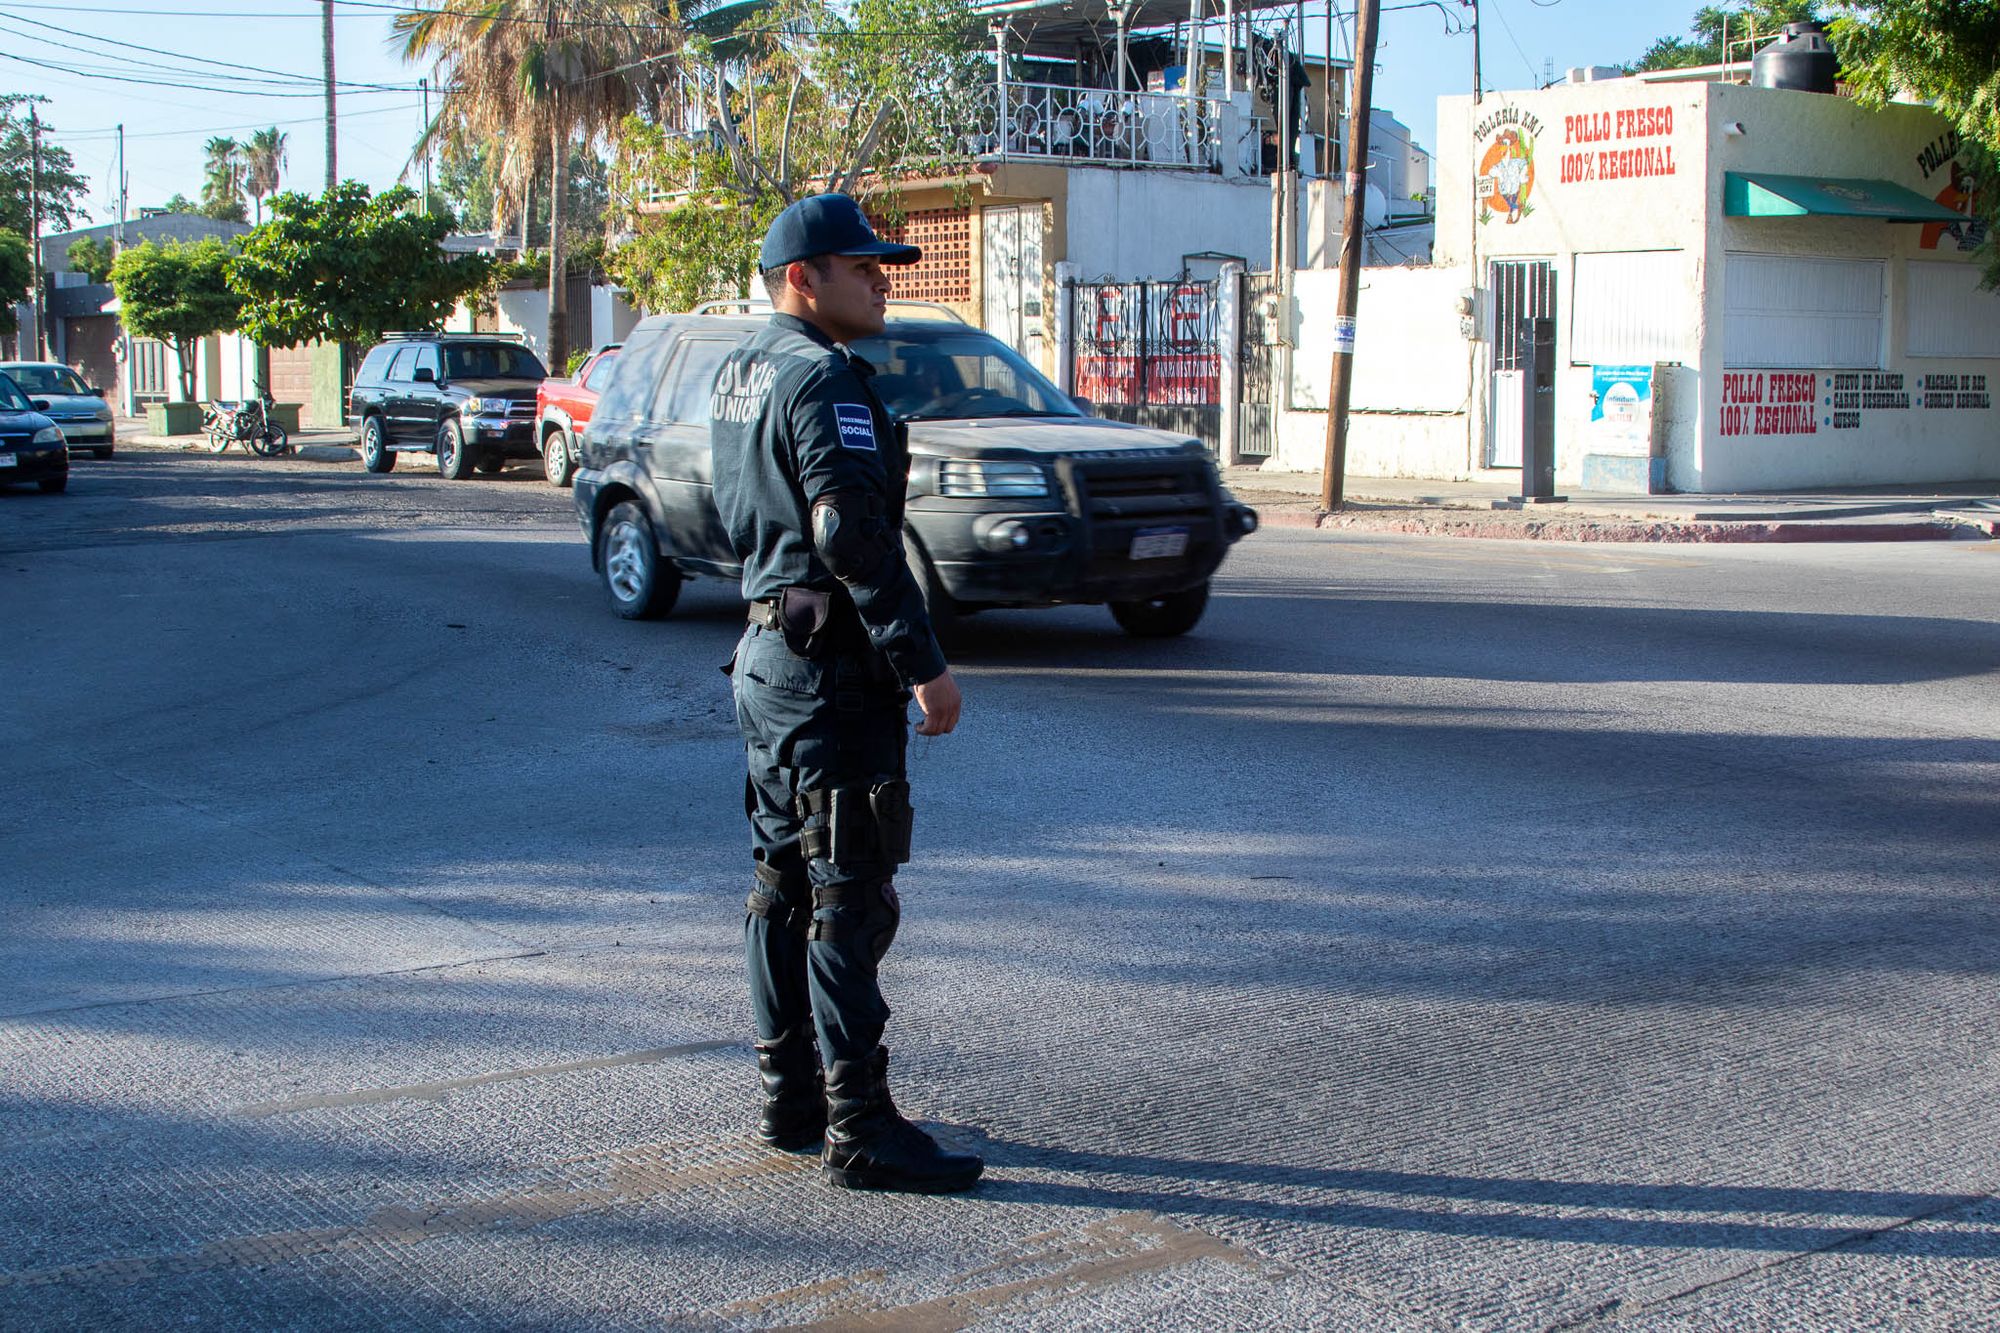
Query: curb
(1658, 531)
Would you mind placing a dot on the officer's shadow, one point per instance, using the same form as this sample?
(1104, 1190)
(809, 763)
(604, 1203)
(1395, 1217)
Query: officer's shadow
(1702, 1217)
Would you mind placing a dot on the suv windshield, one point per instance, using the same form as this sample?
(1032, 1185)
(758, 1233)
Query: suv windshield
(11, 398)
(491, 361)
(47, 379)
(958, 373)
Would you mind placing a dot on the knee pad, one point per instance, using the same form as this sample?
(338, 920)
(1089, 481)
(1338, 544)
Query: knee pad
(858, 822)
(771, 900)
(867, 914)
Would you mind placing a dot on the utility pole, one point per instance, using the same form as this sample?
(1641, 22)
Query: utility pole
(35, 225)
(1478, 88)
(129, 395)
(326, 67)
(426, 83)
(1340, 385)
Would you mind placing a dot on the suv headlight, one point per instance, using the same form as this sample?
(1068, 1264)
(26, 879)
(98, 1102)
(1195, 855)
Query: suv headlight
(961, 478)
(48, 435)
(475, 406)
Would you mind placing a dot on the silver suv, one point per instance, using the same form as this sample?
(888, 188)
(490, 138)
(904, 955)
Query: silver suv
(1016, 499)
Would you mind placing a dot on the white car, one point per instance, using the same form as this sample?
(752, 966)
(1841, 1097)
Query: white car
(60, 394)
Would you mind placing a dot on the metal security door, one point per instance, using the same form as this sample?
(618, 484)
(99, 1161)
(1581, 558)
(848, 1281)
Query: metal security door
(1522, 289)
(1011, 277)
(1257, 412)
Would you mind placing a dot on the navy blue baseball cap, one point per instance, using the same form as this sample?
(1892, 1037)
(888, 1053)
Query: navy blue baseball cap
(827, 224)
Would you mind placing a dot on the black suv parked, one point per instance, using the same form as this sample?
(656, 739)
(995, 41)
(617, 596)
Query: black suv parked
(1016, 497)
(469, 398)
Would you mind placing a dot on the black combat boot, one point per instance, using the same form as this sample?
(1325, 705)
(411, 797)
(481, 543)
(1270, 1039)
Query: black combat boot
(869, 1146)
(794, 1116)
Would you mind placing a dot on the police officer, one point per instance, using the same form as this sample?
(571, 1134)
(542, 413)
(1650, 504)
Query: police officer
(810, 472)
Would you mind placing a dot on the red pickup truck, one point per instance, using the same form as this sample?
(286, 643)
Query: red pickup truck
(562, 410)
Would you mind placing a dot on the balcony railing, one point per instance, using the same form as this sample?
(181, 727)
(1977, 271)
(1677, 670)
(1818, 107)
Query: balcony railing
(1101, 126)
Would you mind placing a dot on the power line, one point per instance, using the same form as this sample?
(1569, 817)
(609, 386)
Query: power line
(169, 83)
(230, 65)
(108, 133)
(1534, 75)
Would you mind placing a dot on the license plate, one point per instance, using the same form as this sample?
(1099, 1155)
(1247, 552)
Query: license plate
(1159, 543)
(8, 460)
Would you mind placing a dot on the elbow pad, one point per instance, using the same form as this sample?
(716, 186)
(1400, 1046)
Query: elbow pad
(850, 535)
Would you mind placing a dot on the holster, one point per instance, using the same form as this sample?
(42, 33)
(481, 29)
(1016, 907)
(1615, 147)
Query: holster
(862, 823)
(804, 617)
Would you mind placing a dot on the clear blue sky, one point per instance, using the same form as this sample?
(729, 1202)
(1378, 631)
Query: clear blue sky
(195, 42)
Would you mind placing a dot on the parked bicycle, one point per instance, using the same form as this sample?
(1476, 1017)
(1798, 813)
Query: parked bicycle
(249, 423)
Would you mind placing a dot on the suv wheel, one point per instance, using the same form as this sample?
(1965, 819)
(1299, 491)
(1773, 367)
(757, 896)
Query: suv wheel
(558, 462)
(640, 585)
(1162, 617)
(945, 613)
(376, 455)
(491, 463)
(454, 459)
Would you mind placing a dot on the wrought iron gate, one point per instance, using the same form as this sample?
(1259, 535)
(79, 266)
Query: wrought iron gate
(1150, 353)
(1522, 289)
(1258, 350)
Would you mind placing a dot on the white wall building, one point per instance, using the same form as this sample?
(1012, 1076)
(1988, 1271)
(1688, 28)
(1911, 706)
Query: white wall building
(1798, 268)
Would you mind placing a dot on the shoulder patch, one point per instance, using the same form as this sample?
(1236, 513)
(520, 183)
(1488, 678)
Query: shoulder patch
(857, 426)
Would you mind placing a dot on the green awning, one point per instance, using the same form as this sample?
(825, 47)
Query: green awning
(1748, 194)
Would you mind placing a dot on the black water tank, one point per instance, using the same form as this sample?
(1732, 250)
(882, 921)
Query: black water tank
(1801, 60)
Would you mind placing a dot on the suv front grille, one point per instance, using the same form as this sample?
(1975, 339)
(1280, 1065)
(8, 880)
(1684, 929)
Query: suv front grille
(1149, 488)
(1117, 499)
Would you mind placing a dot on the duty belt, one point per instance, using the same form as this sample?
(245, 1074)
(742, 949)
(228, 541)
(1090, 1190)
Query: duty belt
(766, 614)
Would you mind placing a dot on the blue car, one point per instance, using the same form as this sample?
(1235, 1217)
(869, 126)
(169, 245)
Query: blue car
(31, 445)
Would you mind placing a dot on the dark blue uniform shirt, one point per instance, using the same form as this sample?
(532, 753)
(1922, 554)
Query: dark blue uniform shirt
(794, 419)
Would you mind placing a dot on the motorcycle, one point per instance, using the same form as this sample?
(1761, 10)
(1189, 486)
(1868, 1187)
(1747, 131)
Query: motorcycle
(247, 423)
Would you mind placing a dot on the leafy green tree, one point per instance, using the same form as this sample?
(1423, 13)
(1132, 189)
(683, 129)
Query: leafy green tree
(63, 190)
(17, 270)
(1947, 53)
(348, 267)
(179, 294)
(794, 98)
(1761, 18)
(91, 257)
(180, 203)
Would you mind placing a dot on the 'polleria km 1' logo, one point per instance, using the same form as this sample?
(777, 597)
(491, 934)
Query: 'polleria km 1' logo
(1507, 175)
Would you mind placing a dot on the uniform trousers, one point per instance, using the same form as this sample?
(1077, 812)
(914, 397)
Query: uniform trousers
(809, 724)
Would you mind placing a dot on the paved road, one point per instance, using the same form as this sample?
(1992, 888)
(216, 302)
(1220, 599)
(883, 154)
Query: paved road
(1448, 934)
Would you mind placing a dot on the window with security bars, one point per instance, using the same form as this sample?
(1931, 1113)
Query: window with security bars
(945, 271)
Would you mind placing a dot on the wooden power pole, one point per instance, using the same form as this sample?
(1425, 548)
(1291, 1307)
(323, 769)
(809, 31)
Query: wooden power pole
(1340, 383)
(35, 226)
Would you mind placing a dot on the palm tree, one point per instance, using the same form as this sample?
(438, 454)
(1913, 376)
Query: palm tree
(263, 163)
(222, 179)
(534, 78)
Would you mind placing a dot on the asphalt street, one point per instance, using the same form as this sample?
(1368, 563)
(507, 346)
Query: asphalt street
(1447, 934)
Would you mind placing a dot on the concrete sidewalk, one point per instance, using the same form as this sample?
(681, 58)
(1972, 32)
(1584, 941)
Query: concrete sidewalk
(1962, 511)
(1467, 509)
(326, 444)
